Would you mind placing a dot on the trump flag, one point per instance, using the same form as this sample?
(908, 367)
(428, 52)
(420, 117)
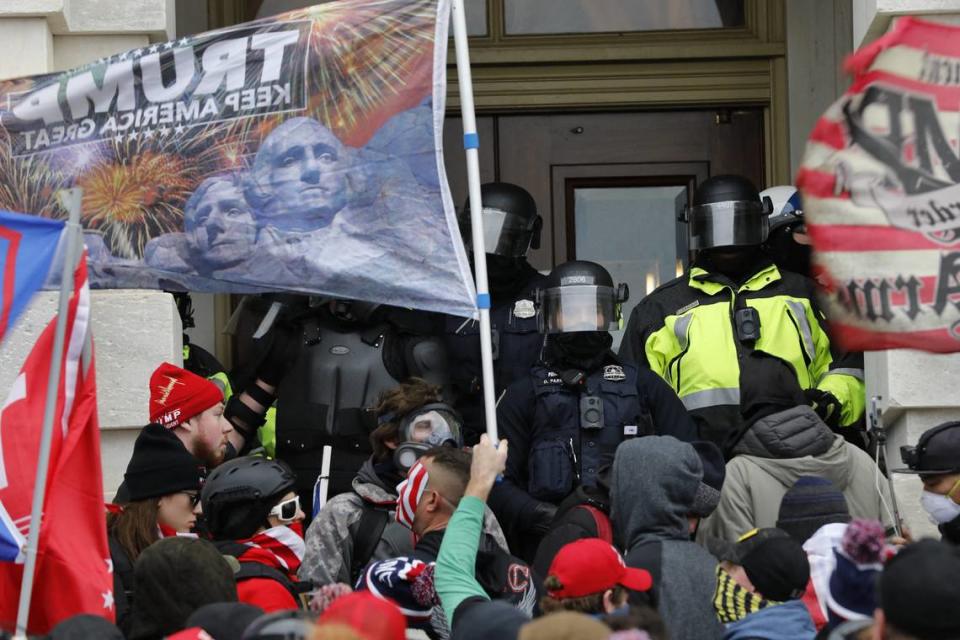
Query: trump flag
(27, 247)
(300, 152)
(881, 189)
(73, 572)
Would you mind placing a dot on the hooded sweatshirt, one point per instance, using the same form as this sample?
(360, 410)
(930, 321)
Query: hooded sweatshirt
(654, 482)
(787, 621)
(332, 534)
(774, 452)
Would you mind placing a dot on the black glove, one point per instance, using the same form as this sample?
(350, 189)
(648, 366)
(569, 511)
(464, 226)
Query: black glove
(284, 350)
(543, 515)
(826, 405)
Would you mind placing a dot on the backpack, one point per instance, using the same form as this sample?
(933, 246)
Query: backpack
(249, 570)
(366, 533)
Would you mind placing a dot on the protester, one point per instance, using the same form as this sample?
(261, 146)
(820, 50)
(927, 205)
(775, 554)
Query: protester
(694, 330)
(85, 627)
(371, 617)
(919, 592)
(564, 625)
(589, 576)
(173, 578)
(638, 622)
(357, 527)
(936, 459)
(163, 484)
(760, 580)
(511, 228)
(468, 608)
(224, 620)
(254, 516)
(565, 420)
(859, 561)
(784, 440)
(289, 625)
(654, 487)
(815, 514)
(428, 497)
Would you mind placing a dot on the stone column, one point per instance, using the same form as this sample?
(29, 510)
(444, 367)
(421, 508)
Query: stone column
(134, 331)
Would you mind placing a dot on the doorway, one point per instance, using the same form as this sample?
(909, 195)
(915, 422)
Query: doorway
(611, 187)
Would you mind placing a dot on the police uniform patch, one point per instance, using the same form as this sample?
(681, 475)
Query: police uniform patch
(614, 373)
(339, 350)
(524, 309)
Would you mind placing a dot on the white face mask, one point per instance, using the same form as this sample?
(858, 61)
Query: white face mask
(941, 508)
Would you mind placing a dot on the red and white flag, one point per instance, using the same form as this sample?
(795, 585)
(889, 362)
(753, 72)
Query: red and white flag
(881, 192)
(73, 573)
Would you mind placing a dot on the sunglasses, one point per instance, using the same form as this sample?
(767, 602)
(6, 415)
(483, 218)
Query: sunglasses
(287, 510)
(194, 497)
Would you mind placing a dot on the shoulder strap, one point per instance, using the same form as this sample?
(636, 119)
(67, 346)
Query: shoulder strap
(602, 522)
(250, 570)
(366, 535)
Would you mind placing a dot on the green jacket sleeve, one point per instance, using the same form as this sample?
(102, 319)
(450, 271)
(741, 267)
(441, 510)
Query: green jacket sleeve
(454, 577)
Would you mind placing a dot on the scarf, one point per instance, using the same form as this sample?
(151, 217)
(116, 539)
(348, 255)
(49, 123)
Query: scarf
(281, 547)
(169, 532)
(733, 602)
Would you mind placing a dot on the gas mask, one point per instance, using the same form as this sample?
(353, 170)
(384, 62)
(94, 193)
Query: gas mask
(433, 425)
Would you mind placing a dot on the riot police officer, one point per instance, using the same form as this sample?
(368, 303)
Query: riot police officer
(511, 227)
(565, 418)
(695, 331)
(351, 352)
(787, 244)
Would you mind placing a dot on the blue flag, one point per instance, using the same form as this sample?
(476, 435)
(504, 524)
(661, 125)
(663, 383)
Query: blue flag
(27, 247)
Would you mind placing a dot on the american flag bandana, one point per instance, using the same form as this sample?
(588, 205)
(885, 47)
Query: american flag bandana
(409, 492)
(881, 192)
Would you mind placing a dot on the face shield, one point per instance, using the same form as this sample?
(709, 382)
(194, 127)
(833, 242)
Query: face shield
(504, 233)
(575, 308)
(728, 224)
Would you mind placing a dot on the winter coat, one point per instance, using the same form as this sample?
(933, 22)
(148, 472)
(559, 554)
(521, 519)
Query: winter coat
(654, 481)
(773, 453)
(787, 621)
(332, 534)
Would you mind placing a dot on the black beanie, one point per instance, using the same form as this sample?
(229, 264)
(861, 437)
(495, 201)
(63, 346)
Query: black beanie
(161, 465)
(809, 504)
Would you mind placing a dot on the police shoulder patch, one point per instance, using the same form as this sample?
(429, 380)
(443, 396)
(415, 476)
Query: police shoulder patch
(614, 373)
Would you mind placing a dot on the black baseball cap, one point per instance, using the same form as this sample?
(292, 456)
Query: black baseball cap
(775, 563)
(937, 452)
(919, 590)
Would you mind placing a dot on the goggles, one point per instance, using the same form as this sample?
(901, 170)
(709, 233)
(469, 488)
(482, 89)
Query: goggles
(287, 510)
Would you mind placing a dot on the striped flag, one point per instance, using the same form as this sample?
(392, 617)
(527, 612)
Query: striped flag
(881, 190)
(27, 247)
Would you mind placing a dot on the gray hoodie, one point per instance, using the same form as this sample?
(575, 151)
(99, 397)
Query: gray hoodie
(653, 485)
(773, 454)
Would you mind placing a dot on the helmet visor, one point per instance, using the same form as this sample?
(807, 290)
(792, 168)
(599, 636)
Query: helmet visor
(578, 308)
(434, 426)
(504, 233)
(728, 224)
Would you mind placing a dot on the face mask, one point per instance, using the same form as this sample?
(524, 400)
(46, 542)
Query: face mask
(584, 350)
(409, 492)
(940, 507)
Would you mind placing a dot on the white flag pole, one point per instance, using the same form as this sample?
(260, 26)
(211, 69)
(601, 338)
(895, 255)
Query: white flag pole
(70, 198)
(471, 143)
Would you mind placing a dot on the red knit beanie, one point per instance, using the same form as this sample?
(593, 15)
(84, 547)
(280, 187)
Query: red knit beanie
(176, 395)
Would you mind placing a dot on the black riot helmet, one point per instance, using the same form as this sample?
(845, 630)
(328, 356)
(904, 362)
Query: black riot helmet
(727, 212)
(239, 494)
(510, 221)
(579, 296)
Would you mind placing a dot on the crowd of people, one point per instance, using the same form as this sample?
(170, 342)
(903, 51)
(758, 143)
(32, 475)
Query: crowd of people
(713, 479)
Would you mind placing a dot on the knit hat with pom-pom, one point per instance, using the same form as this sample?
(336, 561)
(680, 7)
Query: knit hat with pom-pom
(853, 585)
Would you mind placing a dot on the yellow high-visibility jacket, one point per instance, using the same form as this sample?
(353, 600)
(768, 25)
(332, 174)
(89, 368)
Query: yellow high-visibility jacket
(685, 332)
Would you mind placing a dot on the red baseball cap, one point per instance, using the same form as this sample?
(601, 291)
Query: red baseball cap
(371, 617)
(176, 395)
(591, 566)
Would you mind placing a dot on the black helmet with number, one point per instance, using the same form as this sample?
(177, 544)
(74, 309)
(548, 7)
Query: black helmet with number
(580, 296)
(727, 211)
(238, 495)
(511, 225)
